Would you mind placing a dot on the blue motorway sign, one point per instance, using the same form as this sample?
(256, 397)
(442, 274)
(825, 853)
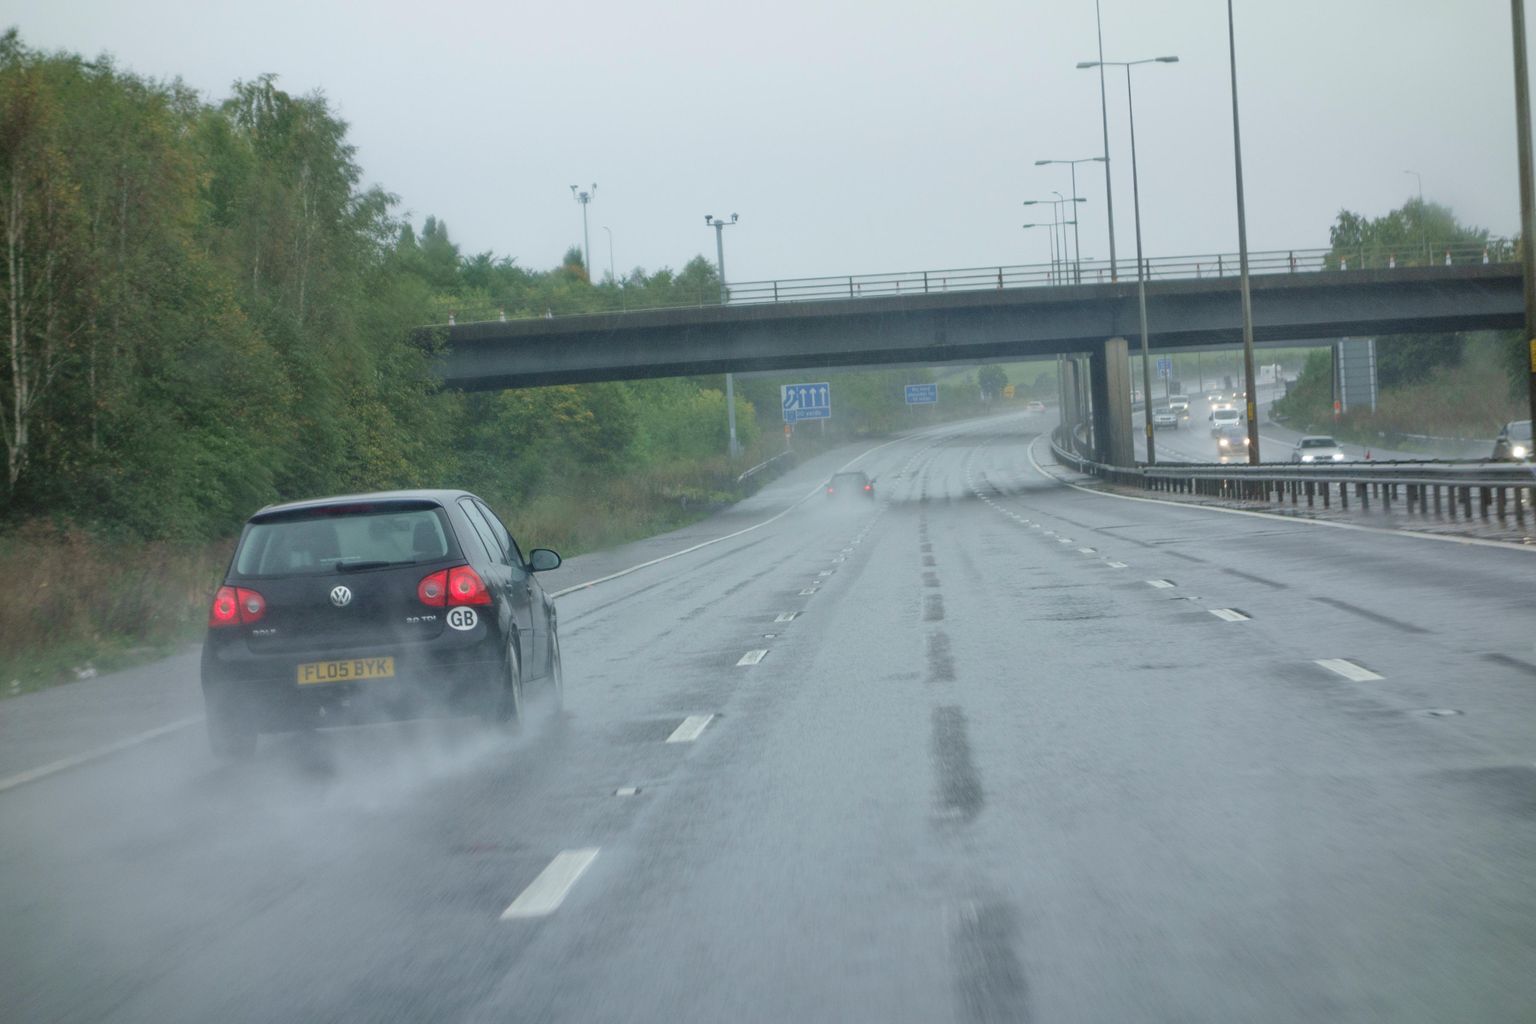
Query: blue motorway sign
(1164, 366)
(806, 402)
(922, 394)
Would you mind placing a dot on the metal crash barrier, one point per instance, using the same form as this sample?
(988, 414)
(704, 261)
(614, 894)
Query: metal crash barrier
(1468, 490)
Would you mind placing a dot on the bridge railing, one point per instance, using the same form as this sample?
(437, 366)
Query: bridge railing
(1473, 489)
(1057, 274)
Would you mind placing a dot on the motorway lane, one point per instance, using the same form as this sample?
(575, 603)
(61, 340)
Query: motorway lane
(982, 774)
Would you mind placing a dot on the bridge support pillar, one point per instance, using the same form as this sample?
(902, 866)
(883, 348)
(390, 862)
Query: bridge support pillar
(1072, 411)
(1111, 379)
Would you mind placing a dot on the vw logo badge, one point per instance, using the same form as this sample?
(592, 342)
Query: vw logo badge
(341, 597)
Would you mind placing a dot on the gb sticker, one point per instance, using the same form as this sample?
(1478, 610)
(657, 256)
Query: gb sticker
(463, 618)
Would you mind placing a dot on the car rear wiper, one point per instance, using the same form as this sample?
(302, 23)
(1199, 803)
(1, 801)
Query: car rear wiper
(357, 566)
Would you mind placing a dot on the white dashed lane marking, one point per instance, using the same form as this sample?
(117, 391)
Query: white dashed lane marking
(546, 892)
(689, 731)
(1159, 584)
(753, 657)
(786, 617)
(1349, 670)
(1228, 614)
(1085, 551)
(1115, 565)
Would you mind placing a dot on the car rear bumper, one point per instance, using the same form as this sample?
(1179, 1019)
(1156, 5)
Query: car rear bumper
(427, 680)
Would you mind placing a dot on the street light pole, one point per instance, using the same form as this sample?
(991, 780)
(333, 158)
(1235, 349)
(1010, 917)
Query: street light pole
(614, 278)
(1423, 231)
(730, 383)
(1527, 189)
(1109, 192)
(1059, 222)
(1250, 383)
(585, 198)
(1141, 273)
(1077, 245)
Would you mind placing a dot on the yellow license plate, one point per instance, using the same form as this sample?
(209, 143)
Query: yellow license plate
(316, 672)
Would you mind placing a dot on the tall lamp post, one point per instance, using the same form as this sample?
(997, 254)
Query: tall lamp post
(585, 199)
(612, 277)
(1053, 239)
(1077, 245)
(1527, 187)
(1109, 192)
(1250, 384)
(1423, 230)
(730, 382)
(1141, 267)
(1058, 223)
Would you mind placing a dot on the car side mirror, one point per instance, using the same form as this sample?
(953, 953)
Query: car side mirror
(543, 560)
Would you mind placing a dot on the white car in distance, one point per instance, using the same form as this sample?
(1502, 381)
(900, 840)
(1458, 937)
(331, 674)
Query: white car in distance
(1317, 448)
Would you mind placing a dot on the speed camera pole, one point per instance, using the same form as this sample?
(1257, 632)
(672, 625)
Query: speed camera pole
(1527, 193)
(1250, 384)
(730, 384)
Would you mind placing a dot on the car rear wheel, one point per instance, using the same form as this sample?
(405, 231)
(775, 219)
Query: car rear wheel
(506, 704)
(556, 676)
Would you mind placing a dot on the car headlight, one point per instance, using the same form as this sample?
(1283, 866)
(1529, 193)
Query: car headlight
(1519, 451)
(1338, 456)
(1308, 458)
(1222, 442)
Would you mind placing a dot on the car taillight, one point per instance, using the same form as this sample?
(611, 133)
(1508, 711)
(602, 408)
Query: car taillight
(831, 490)
(233, 605)
(466, 587)
(869, 487)
(451, 587)
(433, 589)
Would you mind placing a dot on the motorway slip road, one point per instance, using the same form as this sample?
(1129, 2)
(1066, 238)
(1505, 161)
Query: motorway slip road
(987, 748)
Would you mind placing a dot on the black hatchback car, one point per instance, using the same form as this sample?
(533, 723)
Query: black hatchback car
(850, 484)
(401, 604)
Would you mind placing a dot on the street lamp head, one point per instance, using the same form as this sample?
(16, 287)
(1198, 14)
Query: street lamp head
(1087, 64)
(1042, 163)
(1033, 202)
(1167, 60)
(1098, 160)
(733, 218)
(709, 218)
(1080, 199)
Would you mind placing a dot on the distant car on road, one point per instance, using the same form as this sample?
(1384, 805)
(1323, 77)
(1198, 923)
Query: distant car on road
(1232, 442)
(1317, 448)
(1224, 418)
(1164, 417)
(1514, 442)
(1178, 403)
(394, 605)
(1035, 407)
(851, 484)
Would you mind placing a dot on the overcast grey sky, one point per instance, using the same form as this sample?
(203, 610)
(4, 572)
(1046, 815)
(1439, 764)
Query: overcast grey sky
(864, 136)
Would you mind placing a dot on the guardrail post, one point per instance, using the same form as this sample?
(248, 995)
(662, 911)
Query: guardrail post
(1499, 501)
(1483, 501)
(1363, 492)
(1520, 506)
(1343, 494)
(1466, 502)
(850, 286)
(775, 291)
(1437, 500)
(1309, 494)
(1386, 497)
(925, 281)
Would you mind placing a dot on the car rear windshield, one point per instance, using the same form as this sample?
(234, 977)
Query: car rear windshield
(1318, 442)
(849, 478)
(326, 541)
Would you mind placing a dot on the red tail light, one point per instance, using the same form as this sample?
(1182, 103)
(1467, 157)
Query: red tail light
(466, 587)
(451, 587)
(236, 604)
(869, 487)
(433, 589)
(831, 490)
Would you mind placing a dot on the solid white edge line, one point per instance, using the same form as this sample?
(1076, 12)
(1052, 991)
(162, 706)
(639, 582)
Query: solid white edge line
(1349, 670)
(704, 544)
(1504, 545)
(690, 729)
(64, 764)
(546, 892)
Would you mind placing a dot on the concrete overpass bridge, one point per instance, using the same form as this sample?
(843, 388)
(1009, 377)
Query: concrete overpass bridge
(1006, 314)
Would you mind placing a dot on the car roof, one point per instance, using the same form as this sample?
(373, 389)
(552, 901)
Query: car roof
(1317, 437)
(436, 495)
